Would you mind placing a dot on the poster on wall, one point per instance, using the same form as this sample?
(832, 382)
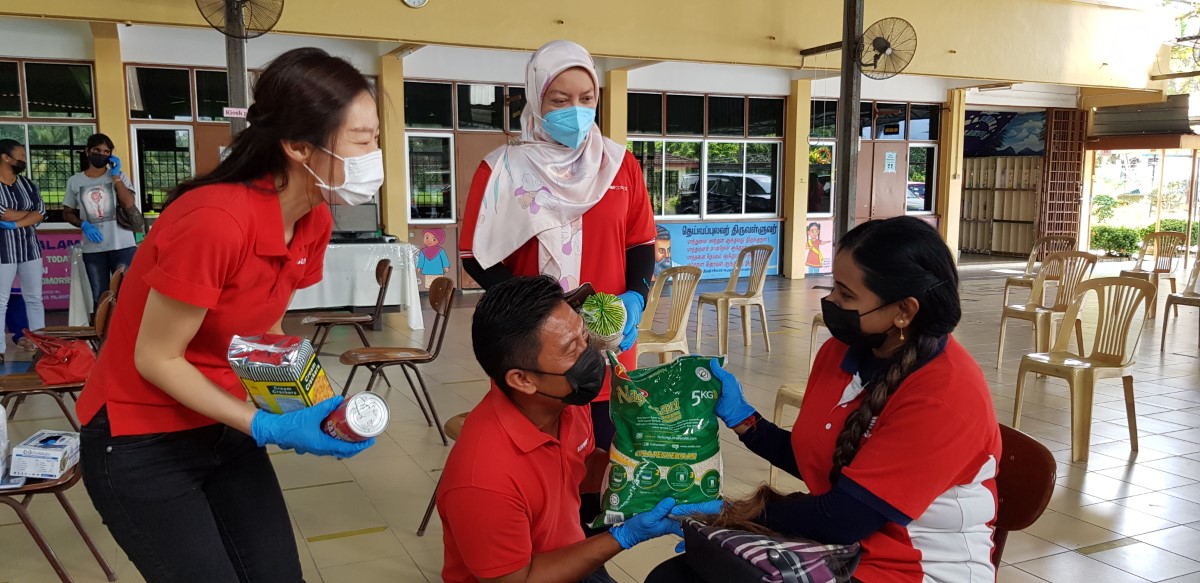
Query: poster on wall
(818, 246)
(437, 253)
(56, 268)
(713, 247)
(993, 133)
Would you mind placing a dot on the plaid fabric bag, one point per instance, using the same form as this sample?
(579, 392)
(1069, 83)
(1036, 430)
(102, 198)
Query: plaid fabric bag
(737, 556)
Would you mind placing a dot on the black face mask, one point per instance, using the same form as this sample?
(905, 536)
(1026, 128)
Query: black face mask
(98, 160)
(586, 378)
(846, 326)
(18, 166)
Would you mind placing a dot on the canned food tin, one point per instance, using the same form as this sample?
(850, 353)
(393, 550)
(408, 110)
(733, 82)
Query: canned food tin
(358, 418)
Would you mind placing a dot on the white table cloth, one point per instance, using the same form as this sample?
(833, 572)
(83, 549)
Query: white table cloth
(349, 281)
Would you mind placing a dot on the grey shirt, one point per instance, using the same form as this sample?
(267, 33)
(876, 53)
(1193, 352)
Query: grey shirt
(96, 201)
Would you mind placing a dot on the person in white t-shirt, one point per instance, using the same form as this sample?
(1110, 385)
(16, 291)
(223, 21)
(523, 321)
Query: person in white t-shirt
(91, 203)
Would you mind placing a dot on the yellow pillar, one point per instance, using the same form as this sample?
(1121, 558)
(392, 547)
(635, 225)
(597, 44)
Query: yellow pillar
(112, 110)
(950, 168)
(795, 178)
(394, 198)
(614, 122)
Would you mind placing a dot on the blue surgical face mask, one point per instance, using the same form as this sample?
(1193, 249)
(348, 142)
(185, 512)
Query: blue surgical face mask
(569, 126)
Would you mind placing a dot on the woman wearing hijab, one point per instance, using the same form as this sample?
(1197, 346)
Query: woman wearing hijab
(433, 262)
(565, 201)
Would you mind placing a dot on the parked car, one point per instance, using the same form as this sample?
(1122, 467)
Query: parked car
(724, 193)
(915, 200)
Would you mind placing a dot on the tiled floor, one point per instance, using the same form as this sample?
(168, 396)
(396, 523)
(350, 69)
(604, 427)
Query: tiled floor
(1122, 517)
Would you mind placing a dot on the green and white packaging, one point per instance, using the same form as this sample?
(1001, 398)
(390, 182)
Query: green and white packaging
(666, 443)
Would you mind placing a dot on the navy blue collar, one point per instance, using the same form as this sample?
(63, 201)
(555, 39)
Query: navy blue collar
(862, 361)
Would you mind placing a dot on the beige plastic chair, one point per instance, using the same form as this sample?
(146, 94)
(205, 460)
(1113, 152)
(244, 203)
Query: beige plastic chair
(1189, 297)
(818, 322)
(1043, 247)
(789, 394)
(1120, 310)
(684, 280)
(758, 256)
(1168, 246)
(1073, 267)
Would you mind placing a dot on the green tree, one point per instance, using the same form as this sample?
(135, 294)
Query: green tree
(1104, 207)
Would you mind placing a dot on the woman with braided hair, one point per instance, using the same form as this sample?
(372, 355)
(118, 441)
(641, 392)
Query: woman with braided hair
(897, 439)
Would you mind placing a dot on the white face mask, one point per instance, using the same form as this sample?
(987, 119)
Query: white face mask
(363, 177)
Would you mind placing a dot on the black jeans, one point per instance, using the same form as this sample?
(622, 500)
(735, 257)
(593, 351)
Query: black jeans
(201, 505)
(100, 267)
(677, 570)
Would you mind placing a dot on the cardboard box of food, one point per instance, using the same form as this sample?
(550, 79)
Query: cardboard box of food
(46, 454)
(280, 373)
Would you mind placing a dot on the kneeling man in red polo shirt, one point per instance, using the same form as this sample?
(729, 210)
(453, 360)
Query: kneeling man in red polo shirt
(509, 496)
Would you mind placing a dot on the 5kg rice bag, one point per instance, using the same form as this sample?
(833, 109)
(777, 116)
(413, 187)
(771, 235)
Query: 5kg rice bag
(666, 443)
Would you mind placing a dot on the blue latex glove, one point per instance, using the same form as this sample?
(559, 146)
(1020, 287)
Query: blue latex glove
(635, 304)
(648, 525)
(91, 232)
(732, 407)
(8, 225)
(116, 165)
(710, 508)
(301, 431)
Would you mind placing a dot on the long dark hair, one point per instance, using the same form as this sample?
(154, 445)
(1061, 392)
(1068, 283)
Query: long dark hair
(900, 258)
(302, 96)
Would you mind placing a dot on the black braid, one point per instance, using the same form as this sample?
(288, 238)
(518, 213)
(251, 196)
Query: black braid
(914, 352)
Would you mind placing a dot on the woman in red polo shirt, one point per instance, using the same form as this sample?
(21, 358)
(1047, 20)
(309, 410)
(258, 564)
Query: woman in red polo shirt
(173, 455)
(897, 440)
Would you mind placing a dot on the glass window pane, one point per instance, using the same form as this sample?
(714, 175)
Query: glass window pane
(645, 113)
(54, 155)
(924, 122)
(820, 178)
(824, 119)
(766, 117)
(480, 107)
(516, 105)
(762, 173)
(650, 156)
(726, 178)
(56, 90)
(682, 178)
(10, 90)
(159, 93)
(921, 178)
(164, 160)
(866, 110)
(428, 105)
(429, 171)
(685, 115)
(890, 119)
(13, 131)
(727, 116)
(212, 95)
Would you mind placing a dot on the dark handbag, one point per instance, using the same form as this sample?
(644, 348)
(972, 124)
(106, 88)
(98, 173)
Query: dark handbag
(131, 219)
(63, 362)
(722, 555)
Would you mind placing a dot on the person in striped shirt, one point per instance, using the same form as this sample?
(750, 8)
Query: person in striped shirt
(21, 208)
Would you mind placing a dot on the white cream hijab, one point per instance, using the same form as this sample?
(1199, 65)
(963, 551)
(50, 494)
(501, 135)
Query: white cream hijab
(540, 188)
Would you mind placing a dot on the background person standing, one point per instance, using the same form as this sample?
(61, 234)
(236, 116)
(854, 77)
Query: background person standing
(21, 208)
(91, 205)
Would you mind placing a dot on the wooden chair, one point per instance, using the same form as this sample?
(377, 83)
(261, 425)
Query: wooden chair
(114, 283)
(90, 334)
(1189, 297)
(1121, 304)
(1043, 247)
(1073, 267)
(818, 322)
(759, 257)
(1168, 246)
(1024, 484)
(19, 499)
(326, 322)
(375, 359)
(453, 429)
(789, 394)
(683, 280)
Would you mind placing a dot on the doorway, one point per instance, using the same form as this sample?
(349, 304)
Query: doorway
(882, 180)
(163, 157)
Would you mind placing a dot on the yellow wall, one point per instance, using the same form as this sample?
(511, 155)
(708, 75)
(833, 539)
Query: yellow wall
(614, 116)
(112, 112)
(950, 165)
(394, 197)
(795, 178)
(1048, 41)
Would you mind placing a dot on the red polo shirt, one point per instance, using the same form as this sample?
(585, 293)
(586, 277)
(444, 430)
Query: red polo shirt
(621, 220)
(510, 491)
(221, 248)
